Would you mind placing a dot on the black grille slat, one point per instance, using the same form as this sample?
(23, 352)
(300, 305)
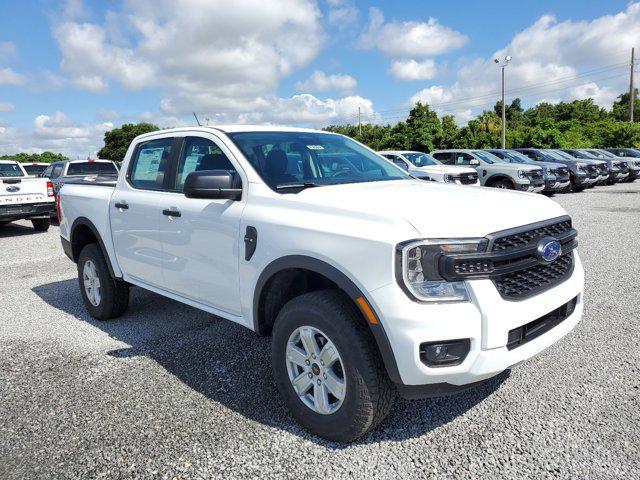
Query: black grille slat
(522, 239)
(534, 279)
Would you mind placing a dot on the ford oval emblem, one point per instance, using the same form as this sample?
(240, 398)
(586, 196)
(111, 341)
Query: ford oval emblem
(13, 189)
(549, 249)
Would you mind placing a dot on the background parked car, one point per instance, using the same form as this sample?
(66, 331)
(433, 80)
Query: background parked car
(615, 171)
(423, 165)
(631, 155)
(582, 174)
(493, 171)
(628, 169)
(556, 175)
(35, 169)
(58, 171)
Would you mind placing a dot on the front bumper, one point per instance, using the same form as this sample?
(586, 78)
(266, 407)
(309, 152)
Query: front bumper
(27, 211)
(531, 187)
(556, 184)
(486, 321)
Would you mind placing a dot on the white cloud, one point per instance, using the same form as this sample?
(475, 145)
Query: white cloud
(11, 77)
(56, 133)
(412, 71)
(6, 107)
(321, 82)
(342, 13)
(7, 51)
(93, 83)
(558, 60)
(411, 38)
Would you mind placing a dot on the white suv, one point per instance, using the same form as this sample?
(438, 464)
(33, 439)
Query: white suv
(424, 166)
(371, 282)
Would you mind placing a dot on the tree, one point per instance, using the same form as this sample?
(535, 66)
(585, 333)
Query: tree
(620, 109)
(44, 157)
(117, 141)
(425, 128)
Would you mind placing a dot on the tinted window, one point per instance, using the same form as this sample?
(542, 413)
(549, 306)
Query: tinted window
(444, 157)
(421, 159)
(10, 170)
(34, 169)
(201, 154)
(150, 164)
(462, 158)
(291, 158)
(487, 157)
(91, 168)
(400, 163)
(57, 171)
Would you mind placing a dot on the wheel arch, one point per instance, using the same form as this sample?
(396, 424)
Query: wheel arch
(84, 232)
(286, 268)
(497, 177)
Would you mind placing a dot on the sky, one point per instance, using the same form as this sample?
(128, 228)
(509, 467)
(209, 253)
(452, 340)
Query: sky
(71, 70)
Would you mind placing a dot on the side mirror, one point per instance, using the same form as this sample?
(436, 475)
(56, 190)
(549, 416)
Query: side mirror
(474, 162)
(213, 184)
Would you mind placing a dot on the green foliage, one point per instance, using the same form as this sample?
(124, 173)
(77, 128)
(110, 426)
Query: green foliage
(44, 157)
(117, 141)
(576, 124)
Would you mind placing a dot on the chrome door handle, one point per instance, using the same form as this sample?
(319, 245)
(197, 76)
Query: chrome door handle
(171, 213)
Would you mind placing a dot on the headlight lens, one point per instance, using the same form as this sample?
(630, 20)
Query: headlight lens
(420, 273)
(581, 167)
(522, 173)
(449, 178)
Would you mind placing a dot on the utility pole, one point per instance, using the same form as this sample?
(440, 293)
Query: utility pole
(503, 64)
(359, 122)
(197, 121)
(632, 93)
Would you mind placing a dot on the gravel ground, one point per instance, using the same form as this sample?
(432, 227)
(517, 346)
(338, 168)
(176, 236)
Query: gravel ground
(168, 391)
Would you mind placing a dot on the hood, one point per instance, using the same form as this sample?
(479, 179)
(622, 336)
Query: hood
(435, 210)
(550, 164)
(514, 166)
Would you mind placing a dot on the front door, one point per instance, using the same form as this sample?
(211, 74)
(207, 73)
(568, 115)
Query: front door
(201, 237)
(135, 212)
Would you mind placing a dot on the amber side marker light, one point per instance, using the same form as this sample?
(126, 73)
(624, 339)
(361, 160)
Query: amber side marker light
(366, 309)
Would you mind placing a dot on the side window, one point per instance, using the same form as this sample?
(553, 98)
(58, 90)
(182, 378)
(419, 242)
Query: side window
(462, 158)
(201, 154)
(444, 157)
(400, 163)
(47, 171)
(57, 171)
(150, 164)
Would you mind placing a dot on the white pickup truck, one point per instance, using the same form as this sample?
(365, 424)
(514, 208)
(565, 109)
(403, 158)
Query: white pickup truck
(424, 166)
(24, 197)
(371, 282)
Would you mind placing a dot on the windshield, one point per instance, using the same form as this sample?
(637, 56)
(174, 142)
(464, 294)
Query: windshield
(601, 154)
(92, 168)
(582, 155)
(304, 159)
(421, 159)
(562, 155)
(10, 170)
(34, 169)
(488, 157)
(514, 157)
(555, 155)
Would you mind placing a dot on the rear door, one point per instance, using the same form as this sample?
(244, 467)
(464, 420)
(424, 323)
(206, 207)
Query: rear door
(135, 211)
(201, 239)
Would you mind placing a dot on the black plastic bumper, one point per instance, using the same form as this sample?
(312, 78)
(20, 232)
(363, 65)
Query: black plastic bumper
(416, 392)
(31, 210)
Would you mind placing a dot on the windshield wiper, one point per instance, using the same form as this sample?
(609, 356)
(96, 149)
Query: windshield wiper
(286, 186)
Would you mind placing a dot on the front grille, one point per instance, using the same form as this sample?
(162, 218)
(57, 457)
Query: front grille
(535, 174)
(468, 179)
(592, 171)
(624, 167)
(532, 330)
(532, 280)
(604, 170)
(522, 239)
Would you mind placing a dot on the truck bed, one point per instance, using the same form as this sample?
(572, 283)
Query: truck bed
(98, 180)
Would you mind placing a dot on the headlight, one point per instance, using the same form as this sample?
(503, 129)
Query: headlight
(581, 167)
(523, 173)
(418, 266)
(449, 178)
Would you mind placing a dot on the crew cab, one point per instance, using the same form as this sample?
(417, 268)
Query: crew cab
(556, 175)
(424, 166)
(23, 197)
(582, 173)
(59, 172)
(494, 171)
(370, 282)
(617, 172)
(628, 169)
(632, 156)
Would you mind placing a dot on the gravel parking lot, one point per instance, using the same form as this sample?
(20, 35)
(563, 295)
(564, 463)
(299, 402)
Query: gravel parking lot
(168, 391)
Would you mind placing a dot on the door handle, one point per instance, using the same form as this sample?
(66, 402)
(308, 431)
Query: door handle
(171, 213)
(121, 205)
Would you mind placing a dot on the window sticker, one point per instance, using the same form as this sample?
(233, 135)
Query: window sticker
(148, 163)
(315, 147)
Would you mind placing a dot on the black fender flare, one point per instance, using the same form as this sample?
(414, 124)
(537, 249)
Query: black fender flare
(500, 176)
(85, 222)
(345, 284)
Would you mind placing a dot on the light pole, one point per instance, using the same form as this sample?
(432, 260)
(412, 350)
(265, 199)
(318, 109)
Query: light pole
(503, 64)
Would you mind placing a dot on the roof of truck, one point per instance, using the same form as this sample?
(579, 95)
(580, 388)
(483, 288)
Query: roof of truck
(234, 129)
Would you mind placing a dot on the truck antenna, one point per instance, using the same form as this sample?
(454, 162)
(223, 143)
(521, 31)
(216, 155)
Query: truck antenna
(199, 124)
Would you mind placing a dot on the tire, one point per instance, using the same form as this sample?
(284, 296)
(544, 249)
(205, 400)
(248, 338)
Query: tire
(503, 184)
(113, 295)
(368, 395)
(41, 224)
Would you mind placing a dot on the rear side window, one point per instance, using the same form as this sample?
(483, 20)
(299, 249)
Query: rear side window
(57, 171)
(10, 170)
(150, 163)
(462, 159)
(444, 157)
(91, 168)
(201, 154)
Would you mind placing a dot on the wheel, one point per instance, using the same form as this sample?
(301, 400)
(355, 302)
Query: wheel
(103, 296)
(327, 367)
(41, 224)
(503, 184)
